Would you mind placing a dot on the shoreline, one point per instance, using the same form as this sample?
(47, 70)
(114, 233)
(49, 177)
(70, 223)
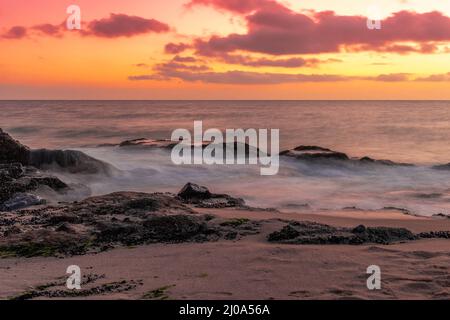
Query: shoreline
(252, 268)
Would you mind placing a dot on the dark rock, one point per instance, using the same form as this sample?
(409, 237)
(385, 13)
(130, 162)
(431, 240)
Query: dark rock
(11, 170)
(121, 218)
(435, 234)
(22, 200)
(69, 160)
(368, 160)
(202, 197)
(176, 228)
(314, 153)
(12, 150)
(65, 227)
(359, 229)
(315, 233)
(12, 230)
(194, 192)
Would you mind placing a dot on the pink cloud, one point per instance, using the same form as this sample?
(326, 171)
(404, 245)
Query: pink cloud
(116, 25)
(237, 6)
(122, 25)
(275, 29)
(176, 48)
(50, 29)
(201, 73)
(17, 32)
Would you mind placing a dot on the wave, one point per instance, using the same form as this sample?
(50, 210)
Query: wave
(299, 185)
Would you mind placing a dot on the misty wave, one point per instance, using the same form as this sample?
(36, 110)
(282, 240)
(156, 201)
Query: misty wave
(299, 185)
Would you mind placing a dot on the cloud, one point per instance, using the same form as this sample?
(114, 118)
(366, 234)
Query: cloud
(391, 77)
(236, 6)
(435, 78)
(50, 29)
(246, 77)
(201, 73)
(17, 32)
(165, 68)
(184, 59)
(275, 29)
(116, 25)
(268, 62)
(176, 48)
(122, 25)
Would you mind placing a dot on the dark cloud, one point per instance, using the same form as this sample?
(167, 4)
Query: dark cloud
(122, 25)
(16, 32)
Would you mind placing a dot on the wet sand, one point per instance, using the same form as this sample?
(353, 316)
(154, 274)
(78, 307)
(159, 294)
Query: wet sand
(253, 268)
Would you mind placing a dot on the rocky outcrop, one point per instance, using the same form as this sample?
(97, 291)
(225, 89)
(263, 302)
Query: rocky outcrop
(20, 177)
(319, 155)
(72, 161)
(16, 183)
(314, 153)
(12, 151)
(316, 233)
(201, 197)
(100, 223)
(442, 167)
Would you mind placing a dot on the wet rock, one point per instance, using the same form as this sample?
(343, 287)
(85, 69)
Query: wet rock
(315, 233)
(121, 218)
(202, 197)
(435, 234)
(22, 200)
(367, 160)
(12, 150)
(11, 170)
(69, 160)
(194, 192)
(359, 229)
(314, 153)
(176, 228)
(65, 227)
(12, 230)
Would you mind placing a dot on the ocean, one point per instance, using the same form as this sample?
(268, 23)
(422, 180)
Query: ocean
(414, 132)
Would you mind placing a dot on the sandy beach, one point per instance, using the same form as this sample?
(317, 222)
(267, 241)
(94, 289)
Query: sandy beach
(252, 268)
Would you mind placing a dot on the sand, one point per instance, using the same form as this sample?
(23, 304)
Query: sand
(252, 268)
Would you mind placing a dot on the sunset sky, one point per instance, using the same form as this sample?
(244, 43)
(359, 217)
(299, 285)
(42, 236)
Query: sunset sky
(225, 49)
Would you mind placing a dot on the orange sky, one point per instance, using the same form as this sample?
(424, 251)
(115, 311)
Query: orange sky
(233, 49)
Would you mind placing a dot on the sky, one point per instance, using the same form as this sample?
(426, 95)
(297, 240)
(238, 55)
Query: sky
(225, 49)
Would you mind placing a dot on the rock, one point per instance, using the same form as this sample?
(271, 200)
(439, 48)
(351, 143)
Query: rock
(435, 234)
(143, 142)
(321, 155)
(69, 160)
(12, 150)
(65, 227)
(314, 153)
(367, 160)
(359, 229)
(176, 228)
(11, 170)
(22, 200)
(16, 179)
(200, 196)
(442, 167)
(194, 192)
(12, 230)
(104, 222)
(315, 233)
